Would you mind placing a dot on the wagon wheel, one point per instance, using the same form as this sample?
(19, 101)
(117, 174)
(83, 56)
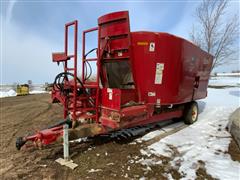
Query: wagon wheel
(190, 113)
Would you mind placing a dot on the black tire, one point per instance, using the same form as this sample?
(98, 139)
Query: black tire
(190, 114)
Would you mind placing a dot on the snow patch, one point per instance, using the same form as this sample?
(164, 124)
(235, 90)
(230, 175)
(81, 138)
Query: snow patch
(149, 162)
(205, 141)
(7, 90)
(37, 92)
(168, 176)
(224, 81)
(7, 93)
(161, 149)
(151, 135)
(163, 130)
(94, 170)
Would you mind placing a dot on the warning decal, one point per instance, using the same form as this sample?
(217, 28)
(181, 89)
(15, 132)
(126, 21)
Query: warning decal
(109, 90)
(159, 73)
(152, 47)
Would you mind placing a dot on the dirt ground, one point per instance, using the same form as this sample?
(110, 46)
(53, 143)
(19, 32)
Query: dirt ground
(99, 159)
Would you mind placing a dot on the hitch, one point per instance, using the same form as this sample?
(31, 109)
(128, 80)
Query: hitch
(45, 136)
(20, 142)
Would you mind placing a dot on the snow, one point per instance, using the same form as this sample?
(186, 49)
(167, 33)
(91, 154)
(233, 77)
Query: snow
(224, 81)
(169, 176)
(80, 140)
(94, 170)
(11, 93)
(228, 74)
(227, 98)
(148, 162)
(37, 92)
(151, 135)
(166, 127)
(205, 141)
(10, 90)
(8, 93)
(172, 126)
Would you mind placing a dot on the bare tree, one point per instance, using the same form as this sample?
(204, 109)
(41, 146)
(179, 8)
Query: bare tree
(216, 33)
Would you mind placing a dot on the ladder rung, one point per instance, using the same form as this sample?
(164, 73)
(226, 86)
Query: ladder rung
(70, 56)
(91, 86)
(117, 58)
(83, 109)
(83, 97)
(90, 59)
(85, 116)
(70, 69)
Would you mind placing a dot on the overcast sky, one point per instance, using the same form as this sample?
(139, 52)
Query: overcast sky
(31, 31)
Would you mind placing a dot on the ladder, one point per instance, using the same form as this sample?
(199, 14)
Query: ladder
(77, 104)
(92, 85)
(72, 69)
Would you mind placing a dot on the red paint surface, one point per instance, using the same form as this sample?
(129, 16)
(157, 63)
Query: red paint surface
(183, 63)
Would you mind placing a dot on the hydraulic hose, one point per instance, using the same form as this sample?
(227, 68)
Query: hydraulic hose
(59, 84)
(87, 76)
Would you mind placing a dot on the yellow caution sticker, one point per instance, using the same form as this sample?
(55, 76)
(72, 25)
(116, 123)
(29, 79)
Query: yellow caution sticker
(142, 43)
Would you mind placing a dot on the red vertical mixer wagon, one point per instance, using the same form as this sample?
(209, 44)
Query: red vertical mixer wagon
(141, 78)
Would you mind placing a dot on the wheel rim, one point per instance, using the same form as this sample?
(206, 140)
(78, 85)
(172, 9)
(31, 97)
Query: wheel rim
(194, 113)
